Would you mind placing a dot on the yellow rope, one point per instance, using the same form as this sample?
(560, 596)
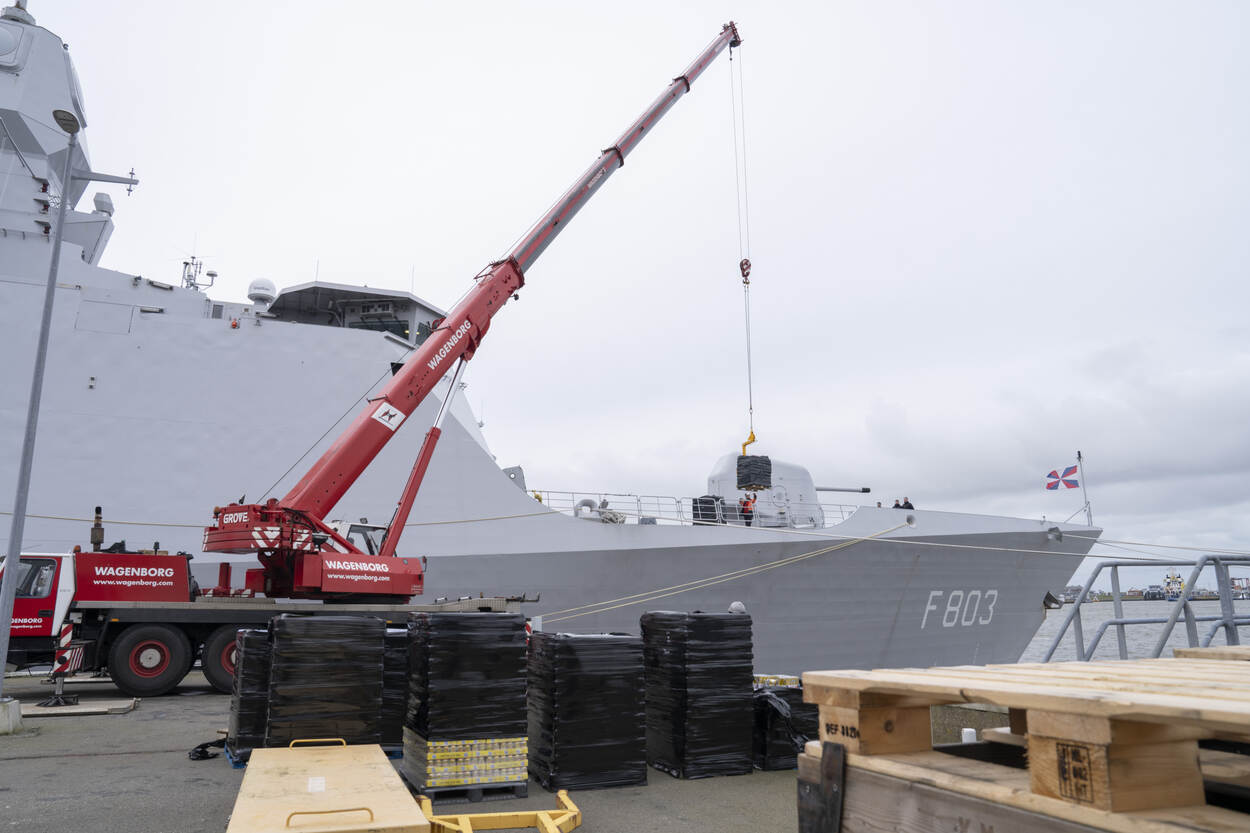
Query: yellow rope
(699, 584)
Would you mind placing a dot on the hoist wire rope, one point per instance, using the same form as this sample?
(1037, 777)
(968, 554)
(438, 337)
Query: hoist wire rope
(350, 409)
(741, 201)
(746, 192)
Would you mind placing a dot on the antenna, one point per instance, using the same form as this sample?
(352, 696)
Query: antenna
(191, 268)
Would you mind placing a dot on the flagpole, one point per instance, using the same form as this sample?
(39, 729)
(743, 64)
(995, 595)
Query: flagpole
(1089, 514)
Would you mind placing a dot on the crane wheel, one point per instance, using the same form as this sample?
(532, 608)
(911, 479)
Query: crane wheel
(217, 658)
(149, 660)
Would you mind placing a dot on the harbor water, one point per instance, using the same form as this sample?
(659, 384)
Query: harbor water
(1140, 638)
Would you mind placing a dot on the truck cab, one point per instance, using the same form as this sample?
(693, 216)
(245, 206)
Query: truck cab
(45, 590)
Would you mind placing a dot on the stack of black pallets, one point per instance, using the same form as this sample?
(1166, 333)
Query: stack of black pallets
(394, 688)
(249, 700)
(325, 679)
(698, 693)
(465, 728)
(586, 718)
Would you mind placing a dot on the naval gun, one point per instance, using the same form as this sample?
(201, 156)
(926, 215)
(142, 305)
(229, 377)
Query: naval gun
(303, 556)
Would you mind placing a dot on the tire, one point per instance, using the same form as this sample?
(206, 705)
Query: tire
(217, 658)
(149, 660)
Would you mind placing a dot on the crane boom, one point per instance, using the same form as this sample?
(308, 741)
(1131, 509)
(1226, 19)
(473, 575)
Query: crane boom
(289, 534)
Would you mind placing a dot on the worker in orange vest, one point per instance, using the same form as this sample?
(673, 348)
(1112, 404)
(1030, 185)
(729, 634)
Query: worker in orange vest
(747, 507)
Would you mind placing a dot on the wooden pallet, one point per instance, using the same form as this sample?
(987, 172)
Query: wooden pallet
(1114, 736)
(935, 792)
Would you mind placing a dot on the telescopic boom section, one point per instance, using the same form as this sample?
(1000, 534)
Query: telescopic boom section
(545, 230)
(286, 531)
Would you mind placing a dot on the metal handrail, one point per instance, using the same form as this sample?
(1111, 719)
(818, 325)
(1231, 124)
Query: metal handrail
(667, 509)
(1228, 618)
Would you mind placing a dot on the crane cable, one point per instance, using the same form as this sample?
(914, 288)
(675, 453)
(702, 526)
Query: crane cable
(738, 105)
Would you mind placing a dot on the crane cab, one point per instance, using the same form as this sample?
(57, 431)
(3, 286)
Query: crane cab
(364, 536)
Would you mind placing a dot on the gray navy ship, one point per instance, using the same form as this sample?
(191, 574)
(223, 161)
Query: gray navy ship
(160, 399)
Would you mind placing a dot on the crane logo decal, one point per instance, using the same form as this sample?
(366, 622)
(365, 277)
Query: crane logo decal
(389, 415)
(364, 566)
(449, 344)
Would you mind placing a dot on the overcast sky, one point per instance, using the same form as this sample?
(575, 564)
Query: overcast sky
(984, 234)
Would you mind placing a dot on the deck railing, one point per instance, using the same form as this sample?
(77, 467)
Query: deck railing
(1228, 618)
(623, 507)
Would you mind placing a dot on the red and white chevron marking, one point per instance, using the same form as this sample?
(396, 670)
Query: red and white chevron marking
(68, 657)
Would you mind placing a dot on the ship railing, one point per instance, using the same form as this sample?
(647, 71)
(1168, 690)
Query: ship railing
(1228, 619)
(629, 508)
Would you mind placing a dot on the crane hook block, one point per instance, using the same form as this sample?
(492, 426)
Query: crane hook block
(745, 268)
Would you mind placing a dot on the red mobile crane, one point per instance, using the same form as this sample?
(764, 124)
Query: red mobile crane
(137, 615)
(302, 556)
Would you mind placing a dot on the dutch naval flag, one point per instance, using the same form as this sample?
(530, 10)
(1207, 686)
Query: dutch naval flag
(1067, 479)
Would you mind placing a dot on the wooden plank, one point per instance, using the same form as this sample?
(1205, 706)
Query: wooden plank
(1116, 777)
(1105, 730)
(1003, 734)
(1225, 767)
(859, 699)
(1006, 786)
(874, 802)
(1189, 674)
(877, 730)
(331, 789)
(1226, 652)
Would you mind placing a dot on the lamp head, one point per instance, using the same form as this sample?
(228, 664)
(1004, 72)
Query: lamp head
(67, 121)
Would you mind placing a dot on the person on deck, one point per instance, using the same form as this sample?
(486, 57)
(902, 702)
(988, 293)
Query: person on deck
(907, 503)
(896, 505)
(747, 507)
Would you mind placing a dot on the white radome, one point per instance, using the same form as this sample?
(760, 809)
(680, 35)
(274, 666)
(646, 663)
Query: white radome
(262, 291)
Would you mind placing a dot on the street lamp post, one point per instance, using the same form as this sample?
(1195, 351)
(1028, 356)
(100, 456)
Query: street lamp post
(8, 587)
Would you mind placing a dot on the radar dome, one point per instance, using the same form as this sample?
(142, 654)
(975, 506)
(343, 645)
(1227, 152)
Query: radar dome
(262, 291)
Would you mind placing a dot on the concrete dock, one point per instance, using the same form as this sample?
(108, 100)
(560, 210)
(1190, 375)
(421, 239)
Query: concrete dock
(131, 772)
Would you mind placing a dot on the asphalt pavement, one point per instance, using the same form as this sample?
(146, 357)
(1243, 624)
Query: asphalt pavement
(130, 772)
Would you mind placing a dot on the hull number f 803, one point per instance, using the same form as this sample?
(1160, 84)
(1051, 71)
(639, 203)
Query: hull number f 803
(961, 608)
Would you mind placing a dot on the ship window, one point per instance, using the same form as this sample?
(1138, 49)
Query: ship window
(423, 332)
(217, 310)
(394, 326)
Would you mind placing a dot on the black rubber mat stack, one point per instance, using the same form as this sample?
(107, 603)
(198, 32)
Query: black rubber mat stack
(466, 721)
(698, 693)
(586, 719)
(755, 473)
(249, 700)
(325, 680)
(394, 687)
(783, 724)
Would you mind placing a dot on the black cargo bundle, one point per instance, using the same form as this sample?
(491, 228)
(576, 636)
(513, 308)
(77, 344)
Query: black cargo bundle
(394, 686)
(783, 725)
(755, 473)
(708, 509)
(698, 692)
(586, 719)
(466, 697)
(249, 702)
(325, 680)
